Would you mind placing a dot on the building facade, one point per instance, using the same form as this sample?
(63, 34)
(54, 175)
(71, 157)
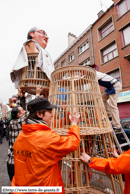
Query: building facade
(79, 51)
(106, 43)
(111, 38)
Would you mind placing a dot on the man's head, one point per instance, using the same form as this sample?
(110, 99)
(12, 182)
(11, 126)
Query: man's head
(17, 112)
(40, 108)
(39, 36)
(94, 66)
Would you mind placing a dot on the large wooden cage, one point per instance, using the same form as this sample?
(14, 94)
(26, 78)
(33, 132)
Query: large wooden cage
(77, 87)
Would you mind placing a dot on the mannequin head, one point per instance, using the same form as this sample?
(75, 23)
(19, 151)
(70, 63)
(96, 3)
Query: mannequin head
(39, 36)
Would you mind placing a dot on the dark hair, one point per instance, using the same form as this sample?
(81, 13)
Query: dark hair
(34, 115)
(14, 112)
(31, 30)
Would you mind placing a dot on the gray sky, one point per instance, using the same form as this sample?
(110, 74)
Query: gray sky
(56, 17)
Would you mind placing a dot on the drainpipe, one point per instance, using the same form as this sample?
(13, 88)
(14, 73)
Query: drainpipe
(92, 45)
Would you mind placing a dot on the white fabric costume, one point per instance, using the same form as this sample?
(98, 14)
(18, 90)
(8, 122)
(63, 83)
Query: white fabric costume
(44, 63)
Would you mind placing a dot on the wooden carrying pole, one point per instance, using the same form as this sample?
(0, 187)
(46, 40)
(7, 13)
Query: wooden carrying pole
(76, 165)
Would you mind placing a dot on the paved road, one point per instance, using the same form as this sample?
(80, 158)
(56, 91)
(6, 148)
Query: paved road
(4, 178)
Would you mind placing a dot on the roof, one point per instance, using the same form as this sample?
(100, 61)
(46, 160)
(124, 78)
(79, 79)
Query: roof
(74, 42)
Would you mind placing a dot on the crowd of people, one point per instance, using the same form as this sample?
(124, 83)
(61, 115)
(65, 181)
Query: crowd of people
(30, 134)
(37, 150)
(4, 130)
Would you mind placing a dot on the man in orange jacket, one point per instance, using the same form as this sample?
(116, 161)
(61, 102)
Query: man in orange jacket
(38, 150)
(118, 165)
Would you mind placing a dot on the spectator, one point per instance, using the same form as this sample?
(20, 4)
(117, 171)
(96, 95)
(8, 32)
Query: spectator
(14, 129)
(4, 127)
(7, 132)
(1, 130)
(18, 118)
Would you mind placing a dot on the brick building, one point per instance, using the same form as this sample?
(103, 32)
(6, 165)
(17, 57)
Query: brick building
(111, 38)
(79, 51)
(107, 43)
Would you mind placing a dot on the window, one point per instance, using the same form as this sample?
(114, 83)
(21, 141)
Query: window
(85, 63)
(115, 74)
(63, 63)
(106, 29)
(109, 53)
(71, 57)
(123, 7)
(125, 34)
(83, 47)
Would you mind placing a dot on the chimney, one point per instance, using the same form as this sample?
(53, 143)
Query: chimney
(71, 38)
(100, 13)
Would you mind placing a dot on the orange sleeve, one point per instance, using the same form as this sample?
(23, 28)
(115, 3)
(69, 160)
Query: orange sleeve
(56, 147)
(120, 165)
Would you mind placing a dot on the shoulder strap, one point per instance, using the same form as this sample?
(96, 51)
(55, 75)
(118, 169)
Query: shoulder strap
(103, 77)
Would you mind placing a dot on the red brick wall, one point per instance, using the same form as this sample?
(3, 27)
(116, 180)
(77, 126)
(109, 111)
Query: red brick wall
(119, 61)
(77, 58)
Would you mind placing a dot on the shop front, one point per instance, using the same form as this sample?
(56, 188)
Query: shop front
(124, 104)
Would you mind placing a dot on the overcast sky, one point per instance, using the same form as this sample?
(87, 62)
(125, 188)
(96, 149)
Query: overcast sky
(56, 17)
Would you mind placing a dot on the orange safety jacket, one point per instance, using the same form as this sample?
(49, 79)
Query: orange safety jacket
(37, 152)
(120, 165)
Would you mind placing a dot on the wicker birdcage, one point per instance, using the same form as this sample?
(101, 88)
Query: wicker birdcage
(77, 87)
(33, 76)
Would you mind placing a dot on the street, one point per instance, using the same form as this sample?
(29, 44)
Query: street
(4, 178)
